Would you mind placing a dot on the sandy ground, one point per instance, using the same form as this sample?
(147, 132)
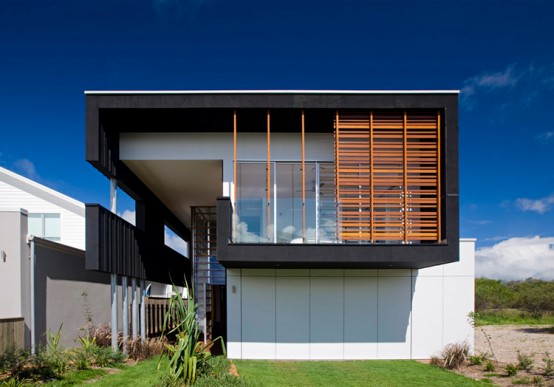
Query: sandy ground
(506, 340)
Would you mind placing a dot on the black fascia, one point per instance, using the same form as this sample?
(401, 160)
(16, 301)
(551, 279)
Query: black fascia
(110, 114)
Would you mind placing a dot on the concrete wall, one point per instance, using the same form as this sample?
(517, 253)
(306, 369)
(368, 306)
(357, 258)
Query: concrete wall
(72, 223)
(60, 284)
(349, 314)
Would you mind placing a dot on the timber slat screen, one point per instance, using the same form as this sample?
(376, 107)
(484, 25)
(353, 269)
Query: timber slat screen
(388, 176)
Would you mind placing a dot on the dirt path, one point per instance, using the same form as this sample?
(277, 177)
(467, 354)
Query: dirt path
(506, 340)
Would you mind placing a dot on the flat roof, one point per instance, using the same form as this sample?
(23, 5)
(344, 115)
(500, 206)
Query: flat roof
(92, 92)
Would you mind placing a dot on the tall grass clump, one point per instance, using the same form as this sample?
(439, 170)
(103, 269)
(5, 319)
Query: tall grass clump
(453, 356)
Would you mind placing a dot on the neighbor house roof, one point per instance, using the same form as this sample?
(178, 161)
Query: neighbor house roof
(42, 191)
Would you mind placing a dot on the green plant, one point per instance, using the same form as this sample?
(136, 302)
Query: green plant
(511, 369)
(15, 382)
(53, 340)
(81, 360)
(478, 359)
(489, 366)
(524, 362)
(87, 342)
(548, 369)
(188, 356)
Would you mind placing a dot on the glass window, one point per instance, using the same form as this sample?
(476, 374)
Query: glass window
(34, 225)
(47, 226)
(252, 222)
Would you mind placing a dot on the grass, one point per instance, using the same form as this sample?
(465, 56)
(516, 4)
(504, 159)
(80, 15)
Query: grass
(348, 373)
(512, 317)
(77, 378)
(143, 374)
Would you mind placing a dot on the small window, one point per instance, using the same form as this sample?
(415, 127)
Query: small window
(47, 226)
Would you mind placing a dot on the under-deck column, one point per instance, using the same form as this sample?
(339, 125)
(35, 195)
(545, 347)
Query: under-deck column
(125, 311)
(142, 311)
(113, 276)
(134, 302)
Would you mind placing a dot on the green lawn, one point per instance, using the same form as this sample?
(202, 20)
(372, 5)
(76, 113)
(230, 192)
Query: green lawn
(348, 373)
(143, 374)
(512, 317)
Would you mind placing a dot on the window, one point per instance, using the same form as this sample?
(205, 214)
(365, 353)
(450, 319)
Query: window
(279, 217)
(46, 226)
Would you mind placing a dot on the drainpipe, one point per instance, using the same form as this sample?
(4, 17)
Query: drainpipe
(113, 276)
(31, 239)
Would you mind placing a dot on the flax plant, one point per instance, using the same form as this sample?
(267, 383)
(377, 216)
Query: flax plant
(188, 356)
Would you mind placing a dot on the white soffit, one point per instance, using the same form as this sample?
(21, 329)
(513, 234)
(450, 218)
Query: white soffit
(180, 184)
(94, 92)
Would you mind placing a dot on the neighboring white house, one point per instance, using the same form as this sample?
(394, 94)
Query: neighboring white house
(51, 214)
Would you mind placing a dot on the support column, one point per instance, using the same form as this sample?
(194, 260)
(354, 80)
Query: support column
(134, 302)
(125, 311)
(113, 276)
(142, 311)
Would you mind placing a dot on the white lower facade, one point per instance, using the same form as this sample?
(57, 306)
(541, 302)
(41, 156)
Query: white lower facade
(350, 313)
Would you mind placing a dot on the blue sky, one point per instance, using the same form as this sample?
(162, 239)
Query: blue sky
(499, 54)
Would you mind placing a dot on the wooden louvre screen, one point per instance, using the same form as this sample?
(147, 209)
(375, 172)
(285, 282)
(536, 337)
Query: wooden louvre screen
(387, 173)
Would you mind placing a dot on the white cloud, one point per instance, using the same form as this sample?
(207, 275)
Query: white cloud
(176, 243)
(27, 168)
(129, 216)
(490, 81)
(546, 136)
(539, 206)
(517, 258)
(520, 86)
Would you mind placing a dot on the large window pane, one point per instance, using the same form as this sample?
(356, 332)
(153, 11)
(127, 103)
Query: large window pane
(252, 224)
(52, 229)
(34, 225)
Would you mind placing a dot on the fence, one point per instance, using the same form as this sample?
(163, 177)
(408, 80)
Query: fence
(12, 333)
(156, 308)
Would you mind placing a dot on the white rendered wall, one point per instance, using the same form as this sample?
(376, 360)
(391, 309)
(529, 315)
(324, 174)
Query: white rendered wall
(72, 223)
(12, 244)
(350, 314)
(219, 146)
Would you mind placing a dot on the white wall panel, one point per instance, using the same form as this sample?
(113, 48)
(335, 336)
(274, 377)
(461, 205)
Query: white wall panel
(360, 318)
(349, 314)
(427, 312)
(234, 314)
(326, 317)
(293, 318)
(458, 303)
(394, 307)
(258, 317)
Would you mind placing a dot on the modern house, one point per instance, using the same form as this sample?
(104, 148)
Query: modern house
(322, 224)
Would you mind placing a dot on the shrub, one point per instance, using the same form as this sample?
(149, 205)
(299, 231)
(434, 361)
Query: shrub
(140, 350)
(511, 369)
(489, 366)
(102, 334)
(525, 362)
(548, 369)
(478, 359)
(452, 356)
